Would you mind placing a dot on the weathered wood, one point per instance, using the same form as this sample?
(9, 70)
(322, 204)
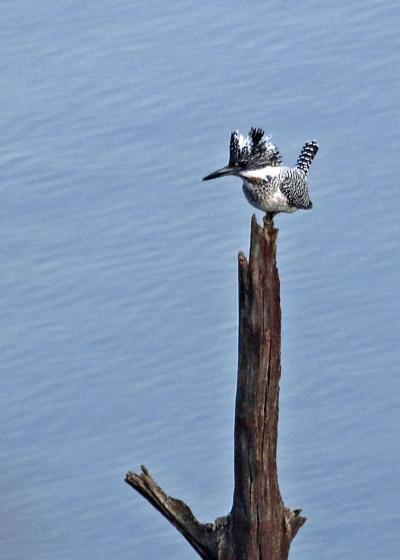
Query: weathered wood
(259, 526)
(201, 536)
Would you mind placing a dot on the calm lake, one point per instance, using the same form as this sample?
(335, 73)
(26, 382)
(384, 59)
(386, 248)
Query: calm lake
(118, 282)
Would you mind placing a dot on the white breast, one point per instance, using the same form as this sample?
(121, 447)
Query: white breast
(266, 197)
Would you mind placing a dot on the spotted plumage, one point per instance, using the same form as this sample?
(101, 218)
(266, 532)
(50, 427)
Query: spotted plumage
(252, 152)
(267, 184)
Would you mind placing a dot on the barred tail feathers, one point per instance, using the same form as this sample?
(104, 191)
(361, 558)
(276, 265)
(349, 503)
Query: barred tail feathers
(307, 154)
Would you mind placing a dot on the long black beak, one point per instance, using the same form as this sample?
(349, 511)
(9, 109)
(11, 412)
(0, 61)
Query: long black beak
(220, 173)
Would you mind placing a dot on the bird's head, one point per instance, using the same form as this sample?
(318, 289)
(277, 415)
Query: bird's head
(252, 152)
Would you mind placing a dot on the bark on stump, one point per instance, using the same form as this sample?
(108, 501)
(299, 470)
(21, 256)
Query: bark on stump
(259, 526)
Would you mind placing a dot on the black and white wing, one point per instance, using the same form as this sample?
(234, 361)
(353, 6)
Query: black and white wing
(293, 185)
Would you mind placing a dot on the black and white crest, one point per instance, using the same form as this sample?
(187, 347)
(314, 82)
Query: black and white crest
(253, 152)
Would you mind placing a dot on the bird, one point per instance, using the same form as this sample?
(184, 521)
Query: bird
(267, 184)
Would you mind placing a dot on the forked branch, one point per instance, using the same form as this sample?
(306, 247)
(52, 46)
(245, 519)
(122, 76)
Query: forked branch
(259, 526)
(200, 536)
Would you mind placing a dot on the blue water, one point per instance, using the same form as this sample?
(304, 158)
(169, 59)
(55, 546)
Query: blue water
(118, 306)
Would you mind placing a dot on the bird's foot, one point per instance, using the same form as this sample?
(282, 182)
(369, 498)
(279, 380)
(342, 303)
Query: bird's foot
(269, 219)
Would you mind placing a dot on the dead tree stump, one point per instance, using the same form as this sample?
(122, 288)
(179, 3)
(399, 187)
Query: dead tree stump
(259, 526)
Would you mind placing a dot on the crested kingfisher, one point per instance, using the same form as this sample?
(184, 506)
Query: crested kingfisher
(268, 185)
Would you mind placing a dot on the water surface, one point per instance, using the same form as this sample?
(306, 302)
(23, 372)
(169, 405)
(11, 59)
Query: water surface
(118, 303)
